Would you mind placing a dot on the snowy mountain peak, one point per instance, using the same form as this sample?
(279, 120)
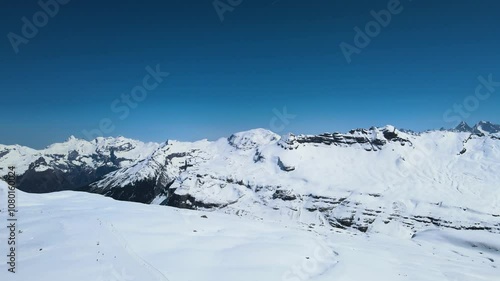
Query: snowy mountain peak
(389, 128)
(486, 127)
(463, 127)
(252, 138)
(482, 127)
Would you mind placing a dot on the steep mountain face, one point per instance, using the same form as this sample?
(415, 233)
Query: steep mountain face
(73, 164)
(377, 179)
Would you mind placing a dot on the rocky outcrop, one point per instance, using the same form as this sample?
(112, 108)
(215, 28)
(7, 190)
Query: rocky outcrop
(370, 140)
(284, 167)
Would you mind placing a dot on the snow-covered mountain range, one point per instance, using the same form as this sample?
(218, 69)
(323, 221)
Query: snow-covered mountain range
(71, 164)
(380, 179)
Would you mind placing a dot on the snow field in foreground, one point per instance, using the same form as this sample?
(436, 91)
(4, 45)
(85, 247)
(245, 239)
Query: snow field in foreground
(78, 236)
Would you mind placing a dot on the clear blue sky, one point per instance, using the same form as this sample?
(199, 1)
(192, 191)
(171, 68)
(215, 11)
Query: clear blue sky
(229, 76)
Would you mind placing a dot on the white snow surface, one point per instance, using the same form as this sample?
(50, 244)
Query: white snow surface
(80, 237)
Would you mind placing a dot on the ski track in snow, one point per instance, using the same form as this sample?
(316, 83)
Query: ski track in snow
(116, 234)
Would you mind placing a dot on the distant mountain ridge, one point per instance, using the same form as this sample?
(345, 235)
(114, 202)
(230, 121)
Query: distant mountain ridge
(366, 179)
(76, 163)
(483, 127)
(71, 164)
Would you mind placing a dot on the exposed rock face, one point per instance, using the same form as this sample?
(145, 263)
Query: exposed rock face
(285, 167)
(356, 212)
(370, 140)
(285, 195)
(71, 178)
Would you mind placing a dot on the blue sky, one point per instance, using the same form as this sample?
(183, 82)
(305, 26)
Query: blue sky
(229, 76)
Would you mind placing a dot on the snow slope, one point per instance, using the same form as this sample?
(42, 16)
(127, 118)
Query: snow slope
(79, 236)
